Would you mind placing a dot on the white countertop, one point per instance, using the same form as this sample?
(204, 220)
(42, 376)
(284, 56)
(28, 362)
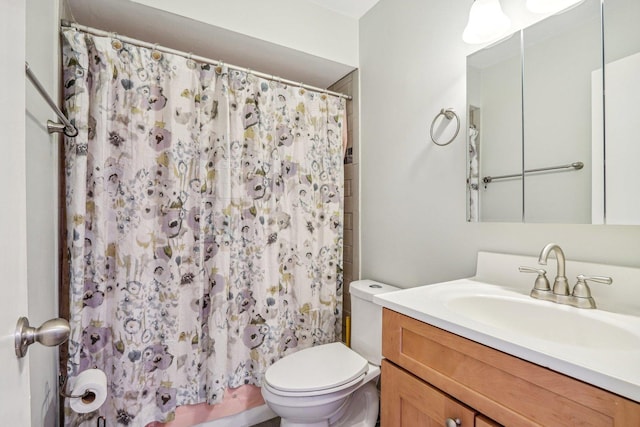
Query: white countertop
(609, 360)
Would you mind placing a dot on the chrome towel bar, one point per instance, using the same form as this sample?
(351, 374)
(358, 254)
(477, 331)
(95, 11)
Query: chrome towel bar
(66, 126)
(575, 166)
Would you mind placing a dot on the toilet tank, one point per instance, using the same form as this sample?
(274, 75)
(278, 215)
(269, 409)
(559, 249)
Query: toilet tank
(366, 319)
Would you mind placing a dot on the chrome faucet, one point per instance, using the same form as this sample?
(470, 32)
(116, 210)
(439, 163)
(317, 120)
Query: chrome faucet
(560, 283)
(580, 296)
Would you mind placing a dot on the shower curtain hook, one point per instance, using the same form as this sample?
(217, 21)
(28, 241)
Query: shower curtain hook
(219, 67)
(115, 42)
(156, 54)
(190, 62)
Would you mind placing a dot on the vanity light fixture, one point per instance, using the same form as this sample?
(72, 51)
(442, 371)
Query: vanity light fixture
(487, 22)
(550, 6)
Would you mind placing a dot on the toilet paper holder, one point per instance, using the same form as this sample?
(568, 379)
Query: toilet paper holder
(87, 396)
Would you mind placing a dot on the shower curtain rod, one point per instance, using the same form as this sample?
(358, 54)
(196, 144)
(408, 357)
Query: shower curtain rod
(67, 127)
(159, 48)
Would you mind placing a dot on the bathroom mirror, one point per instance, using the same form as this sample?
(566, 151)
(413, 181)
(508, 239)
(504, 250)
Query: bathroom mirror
(616, 195)
(560, 55)
(494, 97)
(530, 100)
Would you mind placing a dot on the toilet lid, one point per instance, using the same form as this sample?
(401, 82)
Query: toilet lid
(316, 368)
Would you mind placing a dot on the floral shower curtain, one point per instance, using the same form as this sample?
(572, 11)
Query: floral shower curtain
(204, 225)
(473, 179)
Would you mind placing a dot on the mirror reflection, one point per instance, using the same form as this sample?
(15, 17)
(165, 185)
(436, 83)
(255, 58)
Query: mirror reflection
(494, 96)
(560, 55)
(531, 99)
(621, 150)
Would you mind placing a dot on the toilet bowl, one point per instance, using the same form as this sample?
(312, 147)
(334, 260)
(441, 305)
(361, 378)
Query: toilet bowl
(331, 384)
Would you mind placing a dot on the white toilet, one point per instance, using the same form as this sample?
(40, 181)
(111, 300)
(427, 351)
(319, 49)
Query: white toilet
(331, 384)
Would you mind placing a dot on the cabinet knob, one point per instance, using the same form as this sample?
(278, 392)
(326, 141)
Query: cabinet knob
(450, 422)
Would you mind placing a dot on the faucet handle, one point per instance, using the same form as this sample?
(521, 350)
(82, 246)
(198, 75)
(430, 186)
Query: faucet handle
(542, 283)
(581, 289)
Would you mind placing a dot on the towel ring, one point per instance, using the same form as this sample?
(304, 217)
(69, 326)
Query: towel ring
(448, 114)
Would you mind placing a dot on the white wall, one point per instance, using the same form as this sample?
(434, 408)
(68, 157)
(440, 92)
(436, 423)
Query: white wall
(292, 39)
(14, 372)
(412, 64)
(296, 24)
(42, 53)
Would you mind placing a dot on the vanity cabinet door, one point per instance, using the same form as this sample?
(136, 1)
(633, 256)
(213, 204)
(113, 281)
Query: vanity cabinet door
(410, 402)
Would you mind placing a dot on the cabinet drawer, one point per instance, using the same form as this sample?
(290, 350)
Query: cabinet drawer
(509, 390)
(485, 422)
(410, 402)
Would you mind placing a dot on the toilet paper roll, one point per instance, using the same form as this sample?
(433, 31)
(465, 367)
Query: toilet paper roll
(93, 383)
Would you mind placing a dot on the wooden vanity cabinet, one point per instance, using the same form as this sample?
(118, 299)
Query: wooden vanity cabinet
(430, 374)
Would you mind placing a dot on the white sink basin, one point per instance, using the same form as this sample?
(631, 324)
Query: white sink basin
(546, 321)
(596, 346)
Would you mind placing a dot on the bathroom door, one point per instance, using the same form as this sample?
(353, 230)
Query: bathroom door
(15, 408)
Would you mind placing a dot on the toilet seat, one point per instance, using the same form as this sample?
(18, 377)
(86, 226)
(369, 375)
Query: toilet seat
(353, 384)
(317, 370)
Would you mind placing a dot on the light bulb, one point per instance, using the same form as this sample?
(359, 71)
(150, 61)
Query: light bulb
(487, 22)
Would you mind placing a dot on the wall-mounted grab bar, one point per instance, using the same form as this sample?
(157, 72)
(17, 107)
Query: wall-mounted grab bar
(66, 126)
(575, 166)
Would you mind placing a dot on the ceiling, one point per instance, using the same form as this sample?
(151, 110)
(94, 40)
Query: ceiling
(352, 8)
(177, 32)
